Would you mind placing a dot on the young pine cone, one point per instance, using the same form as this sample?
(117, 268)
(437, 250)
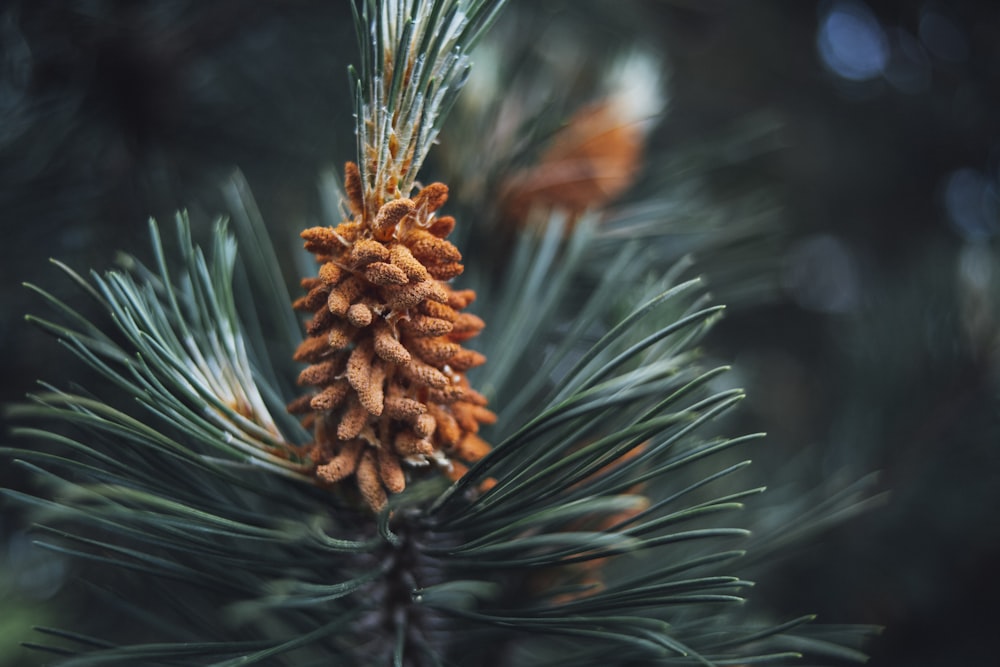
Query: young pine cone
(384, 347)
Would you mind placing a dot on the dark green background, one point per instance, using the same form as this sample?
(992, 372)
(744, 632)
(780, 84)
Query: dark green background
(114, 111)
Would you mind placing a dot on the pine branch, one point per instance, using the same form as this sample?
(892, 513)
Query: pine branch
(603, 527)
(414, 61)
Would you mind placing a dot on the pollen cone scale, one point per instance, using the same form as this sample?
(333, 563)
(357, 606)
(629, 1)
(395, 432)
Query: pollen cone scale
(386, 365)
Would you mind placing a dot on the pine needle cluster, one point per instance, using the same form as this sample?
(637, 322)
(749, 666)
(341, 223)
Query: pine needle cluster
(368, 521)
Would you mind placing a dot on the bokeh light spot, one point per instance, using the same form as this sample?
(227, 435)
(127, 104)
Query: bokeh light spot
(909, 68)
(821, 273)
(975, 266)
(851, 42)
(971, 202)
(943, 38)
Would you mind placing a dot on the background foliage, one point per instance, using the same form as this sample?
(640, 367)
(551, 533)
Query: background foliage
(869, 342)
